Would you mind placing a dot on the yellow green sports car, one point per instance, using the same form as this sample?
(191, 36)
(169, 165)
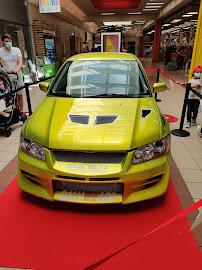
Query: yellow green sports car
(98, 136)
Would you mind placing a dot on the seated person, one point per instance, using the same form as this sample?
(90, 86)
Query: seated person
(8, 100)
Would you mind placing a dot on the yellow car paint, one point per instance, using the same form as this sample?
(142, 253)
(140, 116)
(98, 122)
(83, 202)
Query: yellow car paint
(50, 126)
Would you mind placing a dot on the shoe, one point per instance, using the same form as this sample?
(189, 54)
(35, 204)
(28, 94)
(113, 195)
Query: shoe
(193, 122)
(199, 129)
(22, 117)
(188, 125)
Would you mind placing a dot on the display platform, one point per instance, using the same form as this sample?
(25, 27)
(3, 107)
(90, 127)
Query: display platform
(38, 234)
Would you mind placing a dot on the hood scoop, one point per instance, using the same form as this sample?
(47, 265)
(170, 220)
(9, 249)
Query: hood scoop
(79, 119)
(105, 119)
(145, 113)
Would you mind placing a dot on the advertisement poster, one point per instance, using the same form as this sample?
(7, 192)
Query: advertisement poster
(49, 6)
(111, 42)
(50, 51)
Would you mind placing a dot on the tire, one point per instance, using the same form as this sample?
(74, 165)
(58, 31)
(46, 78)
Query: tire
(8, 132)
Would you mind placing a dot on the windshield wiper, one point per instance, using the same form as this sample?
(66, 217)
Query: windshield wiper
(62, 95)
(109, 95)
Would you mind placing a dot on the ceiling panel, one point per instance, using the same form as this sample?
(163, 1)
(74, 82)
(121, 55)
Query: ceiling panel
(114, 4)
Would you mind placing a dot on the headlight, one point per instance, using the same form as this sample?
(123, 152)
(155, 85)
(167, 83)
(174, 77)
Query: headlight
(151, 150)
(32, 148)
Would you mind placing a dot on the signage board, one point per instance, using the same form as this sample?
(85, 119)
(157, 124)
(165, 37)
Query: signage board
(111, 42)
(49, 6)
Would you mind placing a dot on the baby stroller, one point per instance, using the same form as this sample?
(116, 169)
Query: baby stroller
(10, 112)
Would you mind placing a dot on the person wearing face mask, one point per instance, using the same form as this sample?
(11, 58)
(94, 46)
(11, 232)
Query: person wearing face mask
(11, 60)
(193, 100)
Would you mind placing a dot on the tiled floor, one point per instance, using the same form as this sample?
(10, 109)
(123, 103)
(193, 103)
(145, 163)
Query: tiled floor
(186, 165)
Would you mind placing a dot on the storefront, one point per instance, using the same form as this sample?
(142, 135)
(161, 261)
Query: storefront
(13, 23)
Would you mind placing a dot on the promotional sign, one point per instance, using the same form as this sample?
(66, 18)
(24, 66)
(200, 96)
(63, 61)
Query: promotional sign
(110, 42)
(49, 6)
(50, 51)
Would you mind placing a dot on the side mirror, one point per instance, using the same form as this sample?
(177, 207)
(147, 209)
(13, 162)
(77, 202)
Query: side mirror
(44, 86)
(159, 87)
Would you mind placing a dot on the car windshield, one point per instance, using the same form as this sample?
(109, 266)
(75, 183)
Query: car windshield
(101, 78)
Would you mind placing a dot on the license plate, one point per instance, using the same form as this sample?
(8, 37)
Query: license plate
(88, 197)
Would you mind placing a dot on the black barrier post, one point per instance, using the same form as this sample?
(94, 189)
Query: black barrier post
(180, 132)
(28, 98)
(157, 80)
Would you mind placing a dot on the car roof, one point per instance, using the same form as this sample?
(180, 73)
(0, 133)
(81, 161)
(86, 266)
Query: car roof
(103, 56)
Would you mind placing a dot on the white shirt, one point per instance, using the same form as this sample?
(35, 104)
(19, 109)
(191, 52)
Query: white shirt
(197, 89)
(9, 58)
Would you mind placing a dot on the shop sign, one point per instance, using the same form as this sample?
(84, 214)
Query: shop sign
(49, 6)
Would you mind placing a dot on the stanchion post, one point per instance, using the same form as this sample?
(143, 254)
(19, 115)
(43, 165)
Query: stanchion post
(157, 80)
(180, 132)
(28, 98)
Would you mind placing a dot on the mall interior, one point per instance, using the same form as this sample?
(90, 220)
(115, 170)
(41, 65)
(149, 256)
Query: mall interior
(166, 36)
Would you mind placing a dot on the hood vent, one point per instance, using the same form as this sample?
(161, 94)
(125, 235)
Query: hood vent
(145, 113)
(79, 119)
(105, 119)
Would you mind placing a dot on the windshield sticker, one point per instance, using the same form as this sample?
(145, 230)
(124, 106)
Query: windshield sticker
(88, 197)
(86, 168)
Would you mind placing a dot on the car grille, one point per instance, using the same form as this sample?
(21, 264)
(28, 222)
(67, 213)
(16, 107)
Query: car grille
(87, 187)
(105, 119)
(82, 157)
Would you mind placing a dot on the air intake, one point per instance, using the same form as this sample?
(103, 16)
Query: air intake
(145, 113)
(105, 119)
(79, 119)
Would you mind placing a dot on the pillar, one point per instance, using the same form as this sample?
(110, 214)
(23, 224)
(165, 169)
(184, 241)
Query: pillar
(141, 44)
(156, 41)
(197, 50)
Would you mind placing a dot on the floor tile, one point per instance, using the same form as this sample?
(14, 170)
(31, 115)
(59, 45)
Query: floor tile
(196, 153)
(7, 156)
(199, 162)
(3, 145)
(193, 145)
(13, 147)
(3, 164)
(10, 168)
(179, 152)
(191, 176)
(195, 190)
(186, 163)
(5, 179)
(181, 190)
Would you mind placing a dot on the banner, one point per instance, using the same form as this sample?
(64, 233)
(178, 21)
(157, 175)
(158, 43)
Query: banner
(49, 6)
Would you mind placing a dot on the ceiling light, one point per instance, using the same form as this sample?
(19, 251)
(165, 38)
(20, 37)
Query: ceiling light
(187, 15)
(194, 20)
(192, 12)
(110, 13)
(176, 20)
(150, 9)
(154, 3)
(141, 21)
(118, 23)
(135, 13)
(166, 24)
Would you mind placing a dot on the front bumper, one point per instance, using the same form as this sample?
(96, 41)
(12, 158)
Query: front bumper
(93, 183)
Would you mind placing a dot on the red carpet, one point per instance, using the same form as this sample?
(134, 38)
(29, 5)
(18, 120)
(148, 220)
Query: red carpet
(38, 234)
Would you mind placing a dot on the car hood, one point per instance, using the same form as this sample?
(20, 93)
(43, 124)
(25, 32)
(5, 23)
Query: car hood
(51, 124)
